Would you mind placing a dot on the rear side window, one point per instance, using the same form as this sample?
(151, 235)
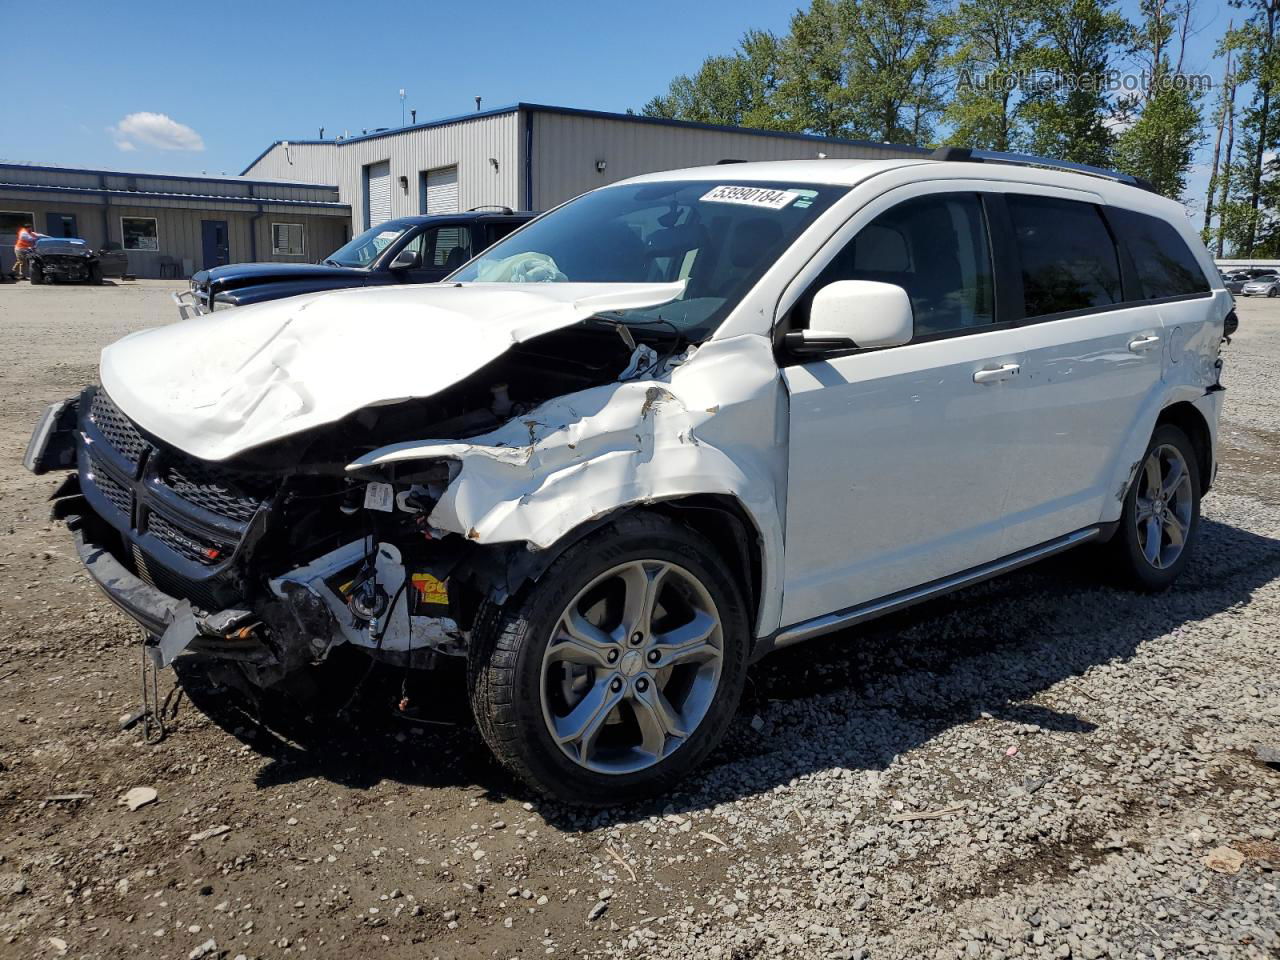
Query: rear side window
(933, 247)
(1069, 261)
(1164, 264)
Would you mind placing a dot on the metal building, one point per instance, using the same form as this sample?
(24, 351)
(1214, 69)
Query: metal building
(524, 156)
(171, 226)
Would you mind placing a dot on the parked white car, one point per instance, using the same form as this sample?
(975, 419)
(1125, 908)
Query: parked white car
(672, 425)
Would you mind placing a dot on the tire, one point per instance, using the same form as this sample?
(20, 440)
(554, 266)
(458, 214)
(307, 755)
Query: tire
(521, 686)
(1273, 292)
(95, 274)
(36, 272)
(1141, 560)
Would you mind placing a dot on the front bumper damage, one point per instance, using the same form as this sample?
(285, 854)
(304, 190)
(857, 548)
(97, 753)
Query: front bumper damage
(140, 542)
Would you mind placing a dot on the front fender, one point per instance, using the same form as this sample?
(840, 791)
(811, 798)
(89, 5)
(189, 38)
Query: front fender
(715, 426)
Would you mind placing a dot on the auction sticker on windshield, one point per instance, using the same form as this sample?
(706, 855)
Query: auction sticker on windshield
(769, 197)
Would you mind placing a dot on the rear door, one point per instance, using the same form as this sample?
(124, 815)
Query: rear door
(899, 459)
(1093, 354)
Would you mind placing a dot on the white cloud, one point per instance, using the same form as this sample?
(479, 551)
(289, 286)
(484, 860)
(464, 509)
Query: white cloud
(154, 130)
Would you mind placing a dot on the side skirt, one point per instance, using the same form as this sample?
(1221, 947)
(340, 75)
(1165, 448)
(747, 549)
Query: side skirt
(831, 622)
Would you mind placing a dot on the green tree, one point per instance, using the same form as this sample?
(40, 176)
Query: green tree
(735, 90)
(1068, 114)
(894, 81)
(1259, 51)
(993, 41)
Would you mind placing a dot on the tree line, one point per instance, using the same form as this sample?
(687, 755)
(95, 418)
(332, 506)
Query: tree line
(1069, 79)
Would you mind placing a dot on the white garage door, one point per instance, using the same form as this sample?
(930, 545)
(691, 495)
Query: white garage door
(442, 190)
(378, 208)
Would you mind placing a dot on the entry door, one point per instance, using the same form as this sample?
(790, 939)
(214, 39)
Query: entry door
(215, 244)
(899, 459)
(62, 225)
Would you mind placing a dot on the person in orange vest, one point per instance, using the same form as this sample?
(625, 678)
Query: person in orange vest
(23, 244)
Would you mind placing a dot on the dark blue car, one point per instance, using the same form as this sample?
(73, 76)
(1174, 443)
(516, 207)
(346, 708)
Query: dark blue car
(407, 250)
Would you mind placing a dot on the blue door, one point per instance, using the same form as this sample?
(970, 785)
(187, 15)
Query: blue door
(216, 247)
(62, 225)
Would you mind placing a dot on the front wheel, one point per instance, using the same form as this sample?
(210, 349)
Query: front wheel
(1273, 292)
(36, 272)
(1161, 517)
(619, 670)
(95, 274)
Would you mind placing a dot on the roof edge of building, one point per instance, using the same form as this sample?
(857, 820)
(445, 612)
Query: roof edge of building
(9, 165)
(583, 112)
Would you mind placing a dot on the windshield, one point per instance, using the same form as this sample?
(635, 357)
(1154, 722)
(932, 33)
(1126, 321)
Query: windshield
(719, 237)
(362, 250)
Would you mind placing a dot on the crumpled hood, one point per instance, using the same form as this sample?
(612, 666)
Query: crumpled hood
(220, 384)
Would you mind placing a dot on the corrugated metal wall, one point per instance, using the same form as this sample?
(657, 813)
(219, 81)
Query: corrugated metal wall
(308, 162)
(566, 148)
(468, 144)
(179, 230)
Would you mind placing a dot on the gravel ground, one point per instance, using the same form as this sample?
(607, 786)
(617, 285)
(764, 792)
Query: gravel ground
(1038, 767)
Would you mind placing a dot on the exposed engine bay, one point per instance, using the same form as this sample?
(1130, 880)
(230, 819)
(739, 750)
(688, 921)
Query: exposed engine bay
(279, 555)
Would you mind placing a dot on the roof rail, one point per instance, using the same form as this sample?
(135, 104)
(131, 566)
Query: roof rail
(1027, 160)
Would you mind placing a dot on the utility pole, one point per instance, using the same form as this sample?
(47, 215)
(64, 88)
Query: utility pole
(402, 106)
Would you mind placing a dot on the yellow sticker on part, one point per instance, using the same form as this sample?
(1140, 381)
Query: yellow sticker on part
(430, 589)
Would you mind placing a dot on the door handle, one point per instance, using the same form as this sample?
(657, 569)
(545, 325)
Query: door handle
(996, 374)
(1142, 344)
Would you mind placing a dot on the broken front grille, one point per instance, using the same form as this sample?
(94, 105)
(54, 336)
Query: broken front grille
(185, 518)
(212, 488)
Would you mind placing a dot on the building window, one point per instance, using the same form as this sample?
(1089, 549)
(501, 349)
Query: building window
(286, 239)
(10, 221)
(140, 233)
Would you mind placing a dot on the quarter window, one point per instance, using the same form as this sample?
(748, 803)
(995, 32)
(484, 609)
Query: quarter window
(140, 233)
(1069, 260)
(936, 249)
(1164, 264)
(287, 239)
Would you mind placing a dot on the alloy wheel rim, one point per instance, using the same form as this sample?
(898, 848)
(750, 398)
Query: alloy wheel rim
(632, 667)
(1164, 506)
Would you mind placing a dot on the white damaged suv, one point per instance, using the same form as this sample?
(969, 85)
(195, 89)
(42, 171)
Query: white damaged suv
(656, 433)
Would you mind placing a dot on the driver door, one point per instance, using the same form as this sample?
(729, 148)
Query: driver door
(898, 458)
(440, 250)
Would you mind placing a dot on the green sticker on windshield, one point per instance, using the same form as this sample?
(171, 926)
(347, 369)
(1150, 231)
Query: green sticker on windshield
(804, 198)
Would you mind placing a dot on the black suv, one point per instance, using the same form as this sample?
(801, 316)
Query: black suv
(407, 250)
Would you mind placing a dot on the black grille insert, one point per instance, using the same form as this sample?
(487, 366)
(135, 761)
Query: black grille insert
(213, 489)
(118, 429)
(117, 494)
(198, 549)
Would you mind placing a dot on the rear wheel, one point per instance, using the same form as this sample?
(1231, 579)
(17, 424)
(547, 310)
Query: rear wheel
(1161, 517)
(36, 271)
(619, 670)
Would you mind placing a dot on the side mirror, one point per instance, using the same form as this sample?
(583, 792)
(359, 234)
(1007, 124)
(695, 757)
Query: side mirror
(406, 260)
(854, 314)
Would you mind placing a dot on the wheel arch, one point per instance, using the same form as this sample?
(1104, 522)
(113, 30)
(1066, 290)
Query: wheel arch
(1188, 418)
(498, 571)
